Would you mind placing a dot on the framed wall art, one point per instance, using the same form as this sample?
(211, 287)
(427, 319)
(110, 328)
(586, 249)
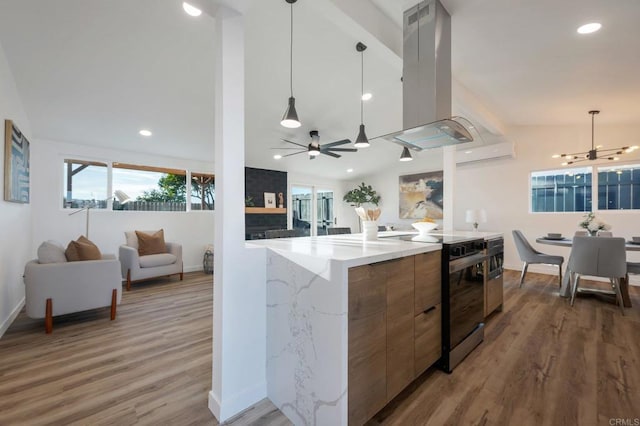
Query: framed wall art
(16, 164)
(421, 195)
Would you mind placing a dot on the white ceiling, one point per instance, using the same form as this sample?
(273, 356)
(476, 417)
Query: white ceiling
(95, 72)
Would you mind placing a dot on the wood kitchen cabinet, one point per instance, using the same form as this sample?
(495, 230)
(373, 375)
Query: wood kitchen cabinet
(394, 329)
(427, 311)
(367, 362)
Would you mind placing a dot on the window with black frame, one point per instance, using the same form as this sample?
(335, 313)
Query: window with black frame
(619, 187)
(564, 190)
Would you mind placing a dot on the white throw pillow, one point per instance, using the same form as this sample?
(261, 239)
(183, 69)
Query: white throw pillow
(51, 252)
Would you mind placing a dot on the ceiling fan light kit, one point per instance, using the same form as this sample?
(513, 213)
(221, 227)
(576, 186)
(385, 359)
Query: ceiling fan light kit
(290, 118)
(595, 151)
(361, 141)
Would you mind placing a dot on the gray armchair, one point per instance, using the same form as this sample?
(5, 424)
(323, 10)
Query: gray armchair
(137, 268)
(53, 289)
(530, 255)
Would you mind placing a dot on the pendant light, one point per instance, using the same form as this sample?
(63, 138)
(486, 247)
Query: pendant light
(361, 140)
(290, 118)
(596, 152)
(406, 155)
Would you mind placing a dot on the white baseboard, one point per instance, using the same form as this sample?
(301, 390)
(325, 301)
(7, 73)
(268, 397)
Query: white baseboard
(196, 268)
(237, 403)
(12, 316)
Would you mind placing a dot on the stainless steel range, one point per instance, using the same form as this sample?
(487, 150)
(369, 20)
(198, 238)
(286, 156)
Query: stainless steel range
(463, 266)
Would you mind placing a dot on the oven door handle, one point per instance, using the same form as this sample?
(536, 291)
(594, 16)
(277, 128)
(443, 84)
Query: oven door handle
(458, 264)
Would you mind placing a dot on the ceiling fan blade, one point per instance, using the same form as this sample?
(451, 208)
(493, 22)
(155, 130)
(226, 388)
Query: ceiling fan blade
(342, 142)
(295, 153)
(341, 149)
(286, 148)
(330, 154)
(295, 143)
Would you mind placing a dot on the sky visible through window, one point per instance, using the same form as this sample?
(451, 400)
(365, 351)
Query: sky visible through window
(91, 183)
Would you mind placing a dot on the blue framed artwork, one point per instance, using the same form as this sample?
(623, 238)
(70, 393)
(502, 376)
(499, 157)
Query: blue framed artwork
(16, 164)
(421, 195)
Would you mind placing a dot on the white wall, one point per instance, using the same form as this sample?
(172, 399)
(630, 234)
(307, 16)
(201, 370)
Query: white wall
(502, 187)
(194, 230)
(15, 218)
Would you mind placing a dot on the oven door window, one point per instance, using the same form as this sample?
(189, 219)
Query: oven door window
(466, 299)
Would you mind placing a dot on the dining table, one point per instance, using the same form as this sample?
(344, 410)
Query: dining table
(565, 289)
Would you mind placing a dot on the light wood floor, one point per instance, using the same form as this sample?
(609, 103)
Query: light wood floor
(542, 363)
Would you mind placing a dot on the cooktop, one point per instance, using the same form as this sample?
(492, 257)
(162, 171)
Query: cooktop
(439, 239)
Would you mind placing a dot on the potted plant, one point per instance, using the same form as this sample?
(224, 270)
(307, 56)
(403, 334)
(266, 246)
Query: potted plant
(592, 224)
(365, 194)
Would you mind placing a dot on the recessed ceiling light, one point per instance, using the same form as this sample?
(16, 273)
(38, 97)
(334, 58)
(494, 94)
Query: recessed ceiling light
(145, 132)
(589, 28)
(190, 9)
(349, 170)
(468, 152)
(277, 157)
(367, 96)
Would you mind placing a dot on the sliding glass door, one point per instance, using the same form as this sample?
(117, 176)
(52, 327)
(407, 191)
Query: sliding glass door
(302, 209)
(312, 210)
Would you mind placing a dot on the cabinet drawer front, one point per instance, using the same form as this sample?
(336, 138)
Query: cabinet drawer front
(367, 290)
(428, 279)
(428, 339)
(494, 294)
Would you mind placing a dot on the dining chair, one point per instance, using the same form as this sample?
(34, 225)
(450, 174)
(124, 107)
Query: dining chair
(338, 231)
(604, 234)
(281, 233)
(598, 257)
(530, 255)
(581, 234)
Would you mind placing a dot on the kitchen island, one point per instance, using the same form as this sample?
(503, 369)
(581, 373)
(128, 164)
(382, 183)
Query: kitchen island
(332, 301)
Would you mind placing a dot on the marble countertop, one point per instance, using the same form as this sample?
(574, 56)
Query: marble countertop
(348, 248)
(487, 235)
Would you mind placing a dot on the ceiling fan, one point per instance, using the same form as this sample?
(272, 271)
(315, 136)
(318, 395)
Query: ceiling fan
(314, 148)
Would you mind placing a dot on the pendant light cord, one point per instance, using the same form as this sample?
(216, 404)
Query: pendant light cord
(291, 54)
(592, 131)
(361, 87)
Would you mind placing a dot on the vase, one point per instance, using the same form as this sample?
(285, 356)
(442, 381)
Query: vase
(369, 230)
(593, 233)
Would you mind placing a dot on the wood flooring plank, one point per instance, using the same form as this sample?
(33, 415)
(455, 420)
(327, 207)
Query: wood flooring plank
(542, 362)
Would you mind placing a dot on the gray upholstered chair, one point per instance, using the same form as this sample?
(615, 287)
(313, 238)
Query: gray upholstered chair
(61, 288)
(530, 255)
(581, 234)
(338, 231)
(281, 233)
(598, 257)
(140, 268)
(604, 234)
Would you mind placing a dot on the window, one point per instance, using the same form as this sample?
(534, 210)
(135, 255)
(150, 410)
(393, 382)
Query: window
(85, 184)
(203, 191)
(619, 187)
(150, 188)
(566, 190)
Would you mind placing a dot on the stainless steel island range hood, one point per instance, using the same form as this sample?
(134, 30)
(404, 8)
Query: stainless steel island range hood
(427, 120)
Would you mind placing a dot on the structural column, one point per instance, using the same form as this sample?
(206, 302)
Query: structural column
(239, 302)
(449, 177)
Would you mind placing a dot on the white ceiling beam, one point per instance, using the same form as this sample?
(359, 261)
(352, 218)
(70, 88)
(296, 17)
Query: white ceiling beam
(366, 23)
(467, 104)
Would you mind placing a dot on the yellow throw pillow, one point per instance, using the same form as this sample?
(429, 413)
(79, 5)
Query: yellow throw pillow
(151, 243)
(82, 249)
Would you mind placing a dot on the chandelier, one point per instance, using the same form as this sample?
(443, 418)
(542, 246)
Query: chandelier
(595, 152)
